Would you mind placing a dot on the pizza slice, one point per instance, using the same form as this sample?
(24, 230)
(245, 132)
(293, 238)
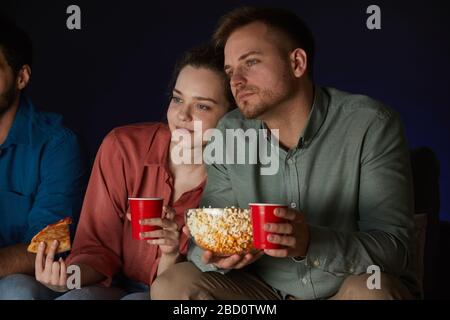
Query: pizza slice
(56, 231)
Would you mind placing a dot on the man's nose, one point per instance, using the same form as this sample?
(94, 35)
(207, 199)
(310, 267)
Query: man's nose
(237, 79)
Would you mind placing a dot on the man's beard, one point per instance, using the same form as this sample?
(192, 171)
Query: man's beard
(267, 99)
(254, 110)
(7, 99)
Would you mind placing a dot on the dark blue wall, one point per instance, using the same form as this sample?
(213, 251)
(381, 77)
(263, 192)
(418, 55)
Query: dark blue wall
(116, 69)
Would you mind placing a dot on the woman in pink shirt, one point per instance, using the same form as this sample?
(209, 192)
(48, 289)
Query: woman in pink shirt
(137, 161)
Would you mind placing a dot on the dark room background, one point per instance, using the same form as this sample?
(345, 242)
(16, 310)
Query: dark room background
(115, 70)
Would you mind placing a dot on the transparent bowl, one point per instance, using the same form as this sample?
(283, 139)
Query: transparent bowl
(224, 231)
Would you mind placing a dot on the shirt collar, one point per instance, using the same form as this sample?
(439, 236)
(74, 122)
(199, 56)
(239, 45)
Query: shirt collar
(20, 129)
(315, 120)
(158, 147)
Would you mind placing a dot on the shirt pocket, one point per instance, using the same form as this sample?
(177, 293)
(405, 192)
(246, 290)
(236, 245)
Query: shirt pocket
(14, 211)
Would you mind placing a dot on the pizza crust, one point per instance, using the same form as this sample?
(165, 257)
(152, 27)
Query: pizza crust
(56, 231)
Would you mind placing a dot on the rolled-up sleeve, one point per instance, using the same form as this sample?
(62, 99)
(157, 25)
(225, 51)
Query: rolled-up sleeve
(98, 240)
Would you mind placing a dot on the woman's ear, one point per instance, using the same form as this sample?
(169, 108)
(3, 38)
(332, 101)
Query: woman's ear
(298, 62)
(23, 77)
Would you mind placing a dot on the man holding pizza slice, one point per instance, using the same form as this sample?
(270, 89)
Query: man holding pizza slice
(42, 173)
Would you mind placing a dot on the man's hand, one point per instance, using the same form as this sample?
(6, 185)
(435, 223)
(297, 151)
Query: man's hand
(235, 261)
(51, 273)
(293, 235)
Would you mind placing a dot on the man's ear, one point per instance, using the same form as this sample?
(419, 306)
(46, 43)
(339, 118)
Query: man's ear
(23, 77)
(299, 62)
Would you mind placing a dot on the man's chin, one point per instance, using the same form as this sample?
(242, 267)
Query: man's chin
(250, 112)
(7, 100)
(4, 107)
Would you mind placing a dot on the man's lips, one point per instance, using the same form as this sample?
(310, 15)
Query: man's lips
(245, 94)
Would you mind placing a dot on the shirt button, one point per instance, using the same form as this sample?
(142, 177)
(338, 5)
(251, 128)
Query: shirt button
(351, 270)
(316, 263)
(305, 281)
(293, 205)
(291, 161)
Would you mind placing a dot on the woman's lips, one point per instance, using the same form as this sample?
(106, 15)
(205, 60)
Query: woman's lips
(184, 130)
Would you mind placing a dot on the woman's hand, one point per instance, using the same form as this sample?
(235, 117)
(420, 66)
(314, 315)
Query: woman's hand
(52, 274)
(168, 238)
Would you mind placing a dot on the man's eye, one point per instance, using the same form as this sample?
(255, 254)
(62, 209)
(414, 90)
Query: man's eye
(177, 100)
(251, 62)
(229, 74)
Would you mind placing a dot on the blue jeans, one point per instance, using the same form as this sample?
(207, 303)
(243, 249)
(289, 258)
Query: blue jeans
(121, 289)
(24, 287)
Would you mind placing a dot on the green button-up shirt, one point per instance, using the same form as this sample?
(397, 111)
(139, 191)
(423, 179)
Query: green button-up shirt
(350, 175)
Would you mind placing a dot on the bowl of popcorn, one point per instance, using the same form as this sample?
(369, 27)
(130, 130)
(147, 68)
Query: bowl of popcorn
(224, 231)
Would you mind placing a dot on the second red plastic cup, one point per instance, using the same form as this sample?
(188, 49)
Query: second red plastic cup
(262, 213)
(144, 208)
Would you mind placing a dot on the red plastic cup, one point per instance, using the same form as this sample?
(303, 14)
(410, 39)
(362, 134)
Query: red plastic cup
(262, 213)
(144, 208)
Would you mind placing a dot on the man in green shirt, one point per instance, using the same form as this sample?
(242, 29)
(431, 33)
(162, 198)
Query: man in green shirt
(343, 171)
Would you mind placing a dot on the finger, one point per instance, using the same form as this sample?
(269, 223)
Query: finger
(286, 213)
(161, 233)
(287, 241)
(258, 254)
(169, 213)
(170, 225)
(282, 228)
(207, 257)
(228, 262)
(39, 261)
(56, 269)
(129, 216)
(248, 258)
(278, 253)
(163, 242)
(50, 256)
(63, 273)
(186, 231)
(159, 222)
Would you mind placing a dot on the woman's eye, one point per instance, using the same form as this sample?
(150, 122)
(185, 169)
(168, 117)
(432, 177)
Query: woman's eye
(203, 107)
(177, 100)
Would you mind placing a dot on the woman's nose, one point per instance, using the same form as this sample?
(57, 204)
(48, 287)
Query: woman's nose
(184, 113)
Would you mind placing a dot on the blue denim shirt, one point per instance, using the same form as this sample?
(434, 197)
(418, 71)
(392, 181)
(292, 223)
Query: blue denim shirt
(42, 175)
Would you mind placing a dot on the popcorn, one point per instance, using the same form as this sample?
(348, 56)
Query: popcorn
(223, 231)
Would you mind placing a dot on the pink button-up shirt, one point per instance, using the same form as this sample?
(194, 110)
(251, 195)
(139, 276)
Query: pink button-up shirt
(131, 162)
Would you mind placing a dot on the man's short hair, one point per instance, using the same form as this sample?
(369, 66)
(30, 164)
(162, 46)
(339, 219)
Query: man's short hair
(15, 45)
(282, 20)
